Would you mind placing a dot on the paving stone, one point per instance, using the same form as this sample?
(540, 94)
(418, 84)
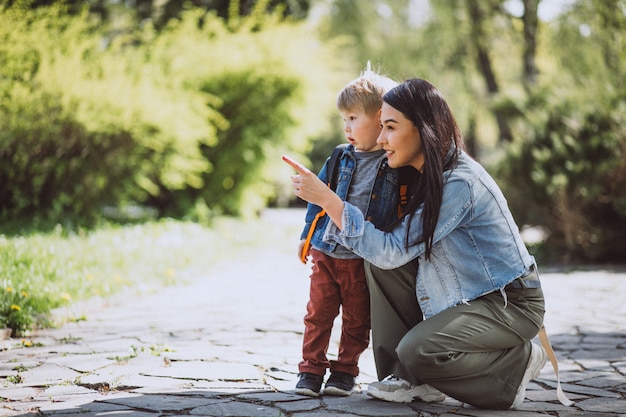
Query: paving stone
(564, 376)
(211, 371)
(47, 374)
(605, 338)
(550, 395)
(299, 406)
(232, 387)
(595, 364)
(603, 406)
(22, 408)
(281, 385)
(4, 373)
(94, 409)
(327, 414)
(589, 391)
(272, 396)
(111, 375)
(133, 382)
(68, 405)
(20, 364)
(165, 403)
(620, 388)
(62, 349)
(472, 412)
(368, 406)
(236, 409)
(608, 354)
(605, 381)
(579, 413)
(63, 392)
(83, 363)
(542, 406)
(18, 393)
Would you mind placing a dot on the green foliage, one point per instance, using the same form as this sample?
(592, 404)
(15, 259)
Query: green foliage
(67, 148)
(54, 160)
(568, 171)
(256, 106)
(273, 92)
(16, 311)
(94, 116)
(569, 176)
(590, 42)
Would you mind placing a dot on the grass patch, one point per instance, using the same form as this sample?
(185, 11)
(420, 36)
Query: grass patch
(41, 272)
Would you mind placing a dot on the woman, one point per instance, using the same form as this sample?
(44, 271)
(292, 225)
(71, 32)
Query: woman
(455, 294)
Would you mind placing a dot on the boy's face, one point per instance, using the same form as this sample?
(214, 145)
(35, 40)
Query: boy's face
(361, 129)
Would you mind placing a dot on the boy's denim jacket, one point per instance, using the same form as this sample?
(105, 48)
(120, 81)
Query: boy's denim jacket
(477, 248)
(383, 204)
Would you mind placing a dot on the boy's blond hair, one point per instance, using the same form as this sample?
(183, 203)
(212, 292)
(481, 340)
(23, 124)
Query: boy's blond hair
(365, 93)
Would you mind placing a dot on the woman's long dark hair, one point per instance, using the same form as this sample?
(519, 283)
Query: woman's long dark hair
(425, 107)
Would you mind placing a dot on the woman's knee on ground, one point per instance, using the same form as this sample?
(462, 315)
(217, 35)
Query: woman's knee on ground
(417, 356)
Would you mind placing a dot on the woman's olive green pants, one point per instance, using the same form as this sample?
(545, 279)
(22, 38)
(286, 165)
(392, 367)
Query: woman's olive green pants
(476, 352)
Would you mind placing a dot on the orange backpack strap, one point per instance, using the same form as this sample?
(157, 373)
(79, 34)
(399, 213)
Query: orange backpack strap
(331, 169)
(307, 242)
(403, 199)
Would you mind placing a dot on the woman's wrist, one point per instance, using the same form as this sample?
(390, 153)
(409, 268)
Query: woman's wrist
(333, 206)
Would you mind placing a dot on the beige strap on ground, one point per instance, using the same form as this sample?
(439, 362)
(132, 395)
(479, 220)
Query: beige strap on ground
(545, 342)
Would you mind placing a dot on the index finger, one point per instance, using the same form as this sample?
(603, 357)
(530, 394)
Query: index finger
(296, 165)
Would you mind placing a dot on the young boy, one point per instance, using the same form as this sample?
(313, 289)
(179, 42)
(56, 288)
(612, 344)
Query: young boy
(363, 178)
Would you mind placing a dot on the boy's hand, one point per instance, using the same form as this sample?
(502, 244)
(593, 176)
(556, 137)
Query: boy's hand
(307, 185)
(296, 165)
(310, 188)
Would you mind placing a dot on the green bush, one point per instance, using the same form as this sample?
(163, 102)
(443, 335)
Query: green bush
(16, 312)
(67, 149)
(51, 163)
(255, 105)
(569, 177)
(190, 120)
(272, 87)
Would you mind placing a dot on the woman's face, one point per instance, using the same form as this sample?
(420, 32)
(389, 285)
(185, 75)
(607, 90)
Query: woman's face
(400, 139)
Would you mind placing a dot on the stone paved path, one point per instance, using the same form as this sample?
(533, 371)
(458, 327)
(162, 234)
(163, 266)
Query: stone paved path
(228, 344)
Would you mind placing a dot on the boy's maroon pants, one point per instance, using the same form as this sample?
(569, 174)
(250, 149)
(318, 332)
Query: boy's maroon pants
(336, 283)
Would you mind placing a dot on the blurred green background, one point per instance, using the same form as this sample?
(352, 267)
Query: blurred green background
(134, 110)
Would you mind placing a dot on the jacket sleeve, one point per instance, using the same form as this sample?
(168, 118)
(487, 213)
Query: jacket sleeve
(387, 250)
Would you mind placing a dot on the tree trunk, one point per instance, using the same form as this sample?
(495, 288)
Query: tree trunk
(485, 67)
(531, 24)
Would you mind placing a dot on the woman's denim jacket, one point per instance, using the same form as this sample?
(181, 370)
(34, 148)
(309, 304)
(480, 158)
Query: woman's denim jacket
(382, 208)
(477, 248)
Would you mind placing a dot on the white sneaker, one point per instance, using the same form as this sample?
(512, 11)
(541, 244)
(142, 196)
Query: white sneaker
(537, 361)
(398, 390)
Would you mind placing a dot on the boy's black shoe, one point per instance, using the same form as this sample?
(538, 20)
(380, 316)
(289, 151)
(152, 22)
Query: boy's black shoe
(309, 384)
(339, 383)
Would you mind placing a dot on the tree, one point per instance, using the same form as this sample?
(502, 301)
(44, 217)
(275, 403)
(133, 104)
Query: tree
(479, 39)
(530, 20)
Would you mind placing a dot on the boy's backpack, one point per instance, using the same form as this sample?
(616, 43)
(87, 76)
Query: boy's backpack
(331, 170)
(333, 163)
